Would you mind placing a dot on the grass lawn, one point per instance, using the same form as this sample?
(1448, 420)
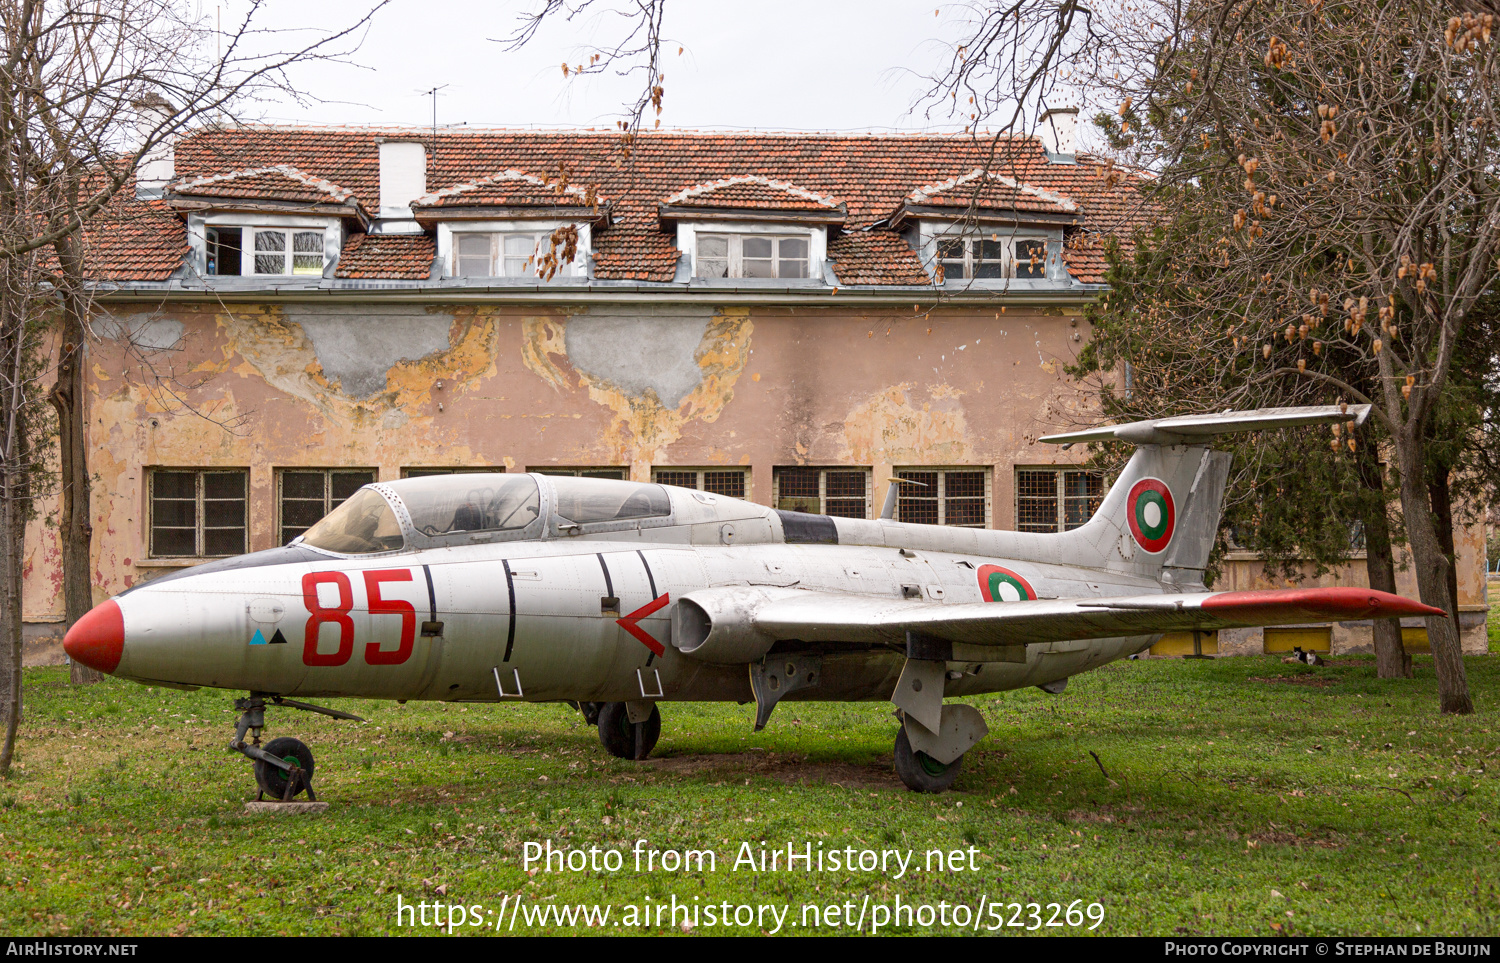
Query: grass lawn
(1243, 796)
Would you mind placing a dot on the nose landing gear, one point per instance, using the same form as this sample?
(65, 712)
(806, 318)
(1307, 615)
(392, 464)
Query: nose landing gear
(284, 767)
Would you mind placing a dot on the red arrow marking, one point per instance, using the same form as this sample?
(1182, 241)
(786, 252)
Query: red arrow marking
(628, 623)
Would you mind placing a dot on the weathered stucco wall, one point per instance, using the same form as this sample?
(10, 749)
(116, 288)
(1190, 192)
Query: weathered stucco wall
(393, 386)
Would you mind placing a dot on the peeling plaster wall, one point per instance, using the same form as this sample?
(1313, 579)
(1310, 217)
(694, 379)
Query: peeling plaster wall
(390, 386)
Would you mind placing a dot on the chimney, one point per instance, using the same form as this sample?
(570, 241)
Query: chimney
(158, 165)
(1058, 130)
(403, 179)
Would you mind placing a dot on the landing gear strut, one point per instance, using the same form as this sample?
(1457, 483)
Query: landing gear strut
(628, 730)
(284, 767)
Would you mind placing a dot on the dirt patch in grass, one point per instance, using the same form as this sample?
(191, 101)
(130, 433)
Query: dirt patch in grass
(1315, 681)
(790, 768)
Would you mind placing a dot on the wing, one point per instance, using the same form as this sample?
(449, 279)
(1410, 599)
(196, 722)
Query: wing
(824, 617)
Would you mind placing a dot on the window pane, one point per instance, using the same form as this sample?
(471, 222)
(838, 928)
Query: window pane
(224, 541)
(223, 512)
(846, 483)
(174, 512)
(343, 484)
(682, 479)
(519, 267)
(952, 249)
(792, 247)
(270, 241)
(791, 257)
(618, 473)
(917, 498)
(299, 514)
(224, 484)
(846, 507)
(797, 490)
(523, 245)
(307, 242)
(989, 269)
(963, 498)
(731, 484)
(174, 484)
(474, 245)
(713, 268)
(307, 264)
(302, 484)
(1083, 491)
(270, 263)
(1036, 501)
(713, 245)
(172, 541)
(474, 267)
(757, 268)
(756, 247)
(1031, 259)
(990, 250)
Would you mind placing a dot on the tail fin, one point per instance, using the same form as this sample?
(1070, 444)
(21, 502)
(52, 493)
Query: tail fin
(1161, 515)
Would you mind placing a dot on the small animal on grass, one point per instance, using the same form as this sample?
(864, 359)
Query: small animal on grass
(1308, 658)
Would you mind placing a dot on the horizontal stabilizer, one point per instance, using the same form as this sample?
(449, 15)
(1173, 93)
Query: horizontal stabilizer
(827, 617)
(1201, 429)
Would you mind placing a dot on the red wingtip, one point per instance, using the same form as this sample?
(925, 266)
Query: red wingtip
(1319, 603)
(98, 638)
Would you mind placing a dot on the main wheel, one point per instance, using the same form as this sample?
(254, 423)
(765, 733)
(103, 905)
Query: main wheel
(618, 734)
(273, 780)
(921, 772)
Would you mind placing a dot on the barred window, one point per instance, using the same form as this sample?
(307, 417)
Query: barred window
(844, 492)
(1056, 499)
(305, 495)
(197, 514)
(944, 496)
(623, 474)
(729, 482)
(424, 472)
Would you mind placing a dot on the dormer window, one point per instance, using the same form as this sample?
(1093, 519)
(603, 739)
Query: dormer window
(497, 255)
(279, 251)
(752, 256)
(992, 257)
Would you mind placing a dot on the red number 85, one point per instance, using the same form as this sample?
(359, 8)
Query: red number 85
(339, 615)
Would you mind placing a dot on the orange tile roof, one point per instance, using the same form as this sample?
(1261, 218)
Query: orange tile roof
(282, 182)
(752, 192)
(401, 257)
(872, 176)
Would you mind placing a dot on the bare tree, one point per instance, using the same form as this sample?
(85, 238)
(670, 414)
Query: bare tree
(93, 90)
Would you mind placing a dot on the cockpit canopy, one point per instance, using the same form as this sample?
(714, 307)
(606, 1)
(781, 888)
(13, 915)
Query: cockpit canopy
(475, 504)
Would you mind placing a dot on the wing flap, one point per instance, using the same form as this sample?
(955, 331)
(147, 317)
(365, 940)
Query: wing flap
(824, 617)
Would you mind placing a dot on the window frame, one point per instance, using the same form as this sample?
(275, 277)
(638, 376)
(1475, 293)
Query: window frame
(612, 472)
(1010, 260)
(328, 503)
(288, 252)
(199, 514)
(700, 479)
(941, 495)
(450, 233)
(1059, 473)
(778, 472)
(734, 256)
(199, 226)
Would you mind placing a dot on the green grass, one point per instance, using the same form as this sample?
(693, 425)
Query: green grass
(1244, 796)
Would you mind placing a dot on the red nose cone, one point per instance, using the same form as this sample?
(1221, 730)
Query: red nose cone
(97, 639)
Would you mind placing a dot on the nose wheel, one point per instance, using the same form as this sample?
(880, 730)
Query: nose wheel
(283, 766)
(919, 771)
(627, 730)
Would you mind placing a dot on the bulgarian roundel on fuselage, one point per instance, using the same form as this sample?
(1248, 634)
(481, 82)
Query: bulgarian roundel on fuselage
(1151, 513)
(999, 584)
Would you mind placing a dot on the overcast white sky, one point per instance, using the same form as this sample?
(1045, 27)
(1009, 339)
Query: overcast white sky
(767, 64)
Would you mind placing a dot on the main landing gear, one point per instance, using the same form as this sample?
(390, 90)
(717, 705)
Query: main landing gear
(284, 766)
(628, 730)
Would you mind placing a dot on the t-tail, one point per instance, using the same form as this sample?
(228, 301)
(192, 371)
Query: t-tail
(1161, 515)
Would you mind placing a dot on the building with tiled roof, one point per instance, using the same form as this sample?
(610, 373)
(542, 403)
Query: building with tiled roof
(796, 319)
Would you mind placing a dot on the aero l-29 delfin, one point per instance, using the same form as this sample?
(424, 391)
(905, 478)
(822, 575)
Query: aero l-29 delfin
(615, 596)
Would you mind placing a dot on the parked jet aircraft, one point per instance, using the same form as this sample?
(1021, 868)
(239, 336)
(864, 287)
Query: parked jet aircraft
(615, 596)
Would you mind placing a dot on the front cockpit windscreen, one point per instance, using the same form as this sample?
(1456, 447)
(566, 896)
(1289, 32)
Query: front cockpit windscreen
(360, 526)
(452, 504)
(582, 501)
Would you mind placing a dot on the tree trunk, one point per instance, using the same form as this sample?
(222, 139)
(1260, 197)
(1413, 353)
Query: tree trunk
(68, 396)
(1391, 658)
(1441, 494)
(12, 551)
(1432, 567)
